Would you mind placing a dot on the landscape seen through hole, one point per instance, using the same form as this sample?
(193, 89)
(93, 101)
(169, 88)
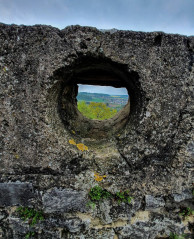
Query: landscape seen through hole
(101, 102)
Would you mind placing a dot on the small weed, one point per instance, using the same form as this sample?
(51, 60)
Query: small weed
(97, 194)
(175, 236)
(29, 234)
(186, 212)
(30, 215)
(123, 197)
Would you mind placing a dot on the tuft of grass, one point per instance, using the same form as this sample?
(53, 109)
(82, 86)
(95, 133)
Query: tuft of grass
(123, 197)
(98, 194)
(175, 236)
(29, 235)
(32, 216)
(186, 212)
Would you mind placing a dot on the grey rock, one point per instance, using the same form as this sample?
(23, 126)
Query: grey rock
(73, 225)
(132, 233)
(1, 233)
(154, 202)
(3, 215)
(185, 195)
(105, 212)
(64, 200)
(16, 194)
(190, 148)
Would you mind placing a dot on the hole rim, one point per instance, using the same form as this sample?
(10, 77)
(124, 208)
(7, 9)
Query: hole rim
(66, 77)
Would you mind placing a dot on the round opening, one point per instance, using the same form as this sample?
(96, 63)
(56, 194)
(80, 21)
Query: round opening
(101, 102)
(93, 71)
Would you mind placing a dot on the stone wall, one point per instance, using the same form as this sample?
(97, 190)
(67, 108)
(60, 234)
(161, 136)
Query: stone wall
(148, 151)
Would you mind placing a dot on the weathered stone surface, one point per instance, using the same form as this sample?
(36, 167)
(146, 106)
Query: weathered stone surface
(3, 214)
(74, 225)
(147, 149)
(154, 202)
(151, 229)
(64, 200)
(185, 195)
(16, 194)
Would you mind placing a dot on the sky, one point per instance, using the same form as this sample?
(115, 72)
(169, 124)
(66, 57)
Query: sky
(102, 89)
(170, 16)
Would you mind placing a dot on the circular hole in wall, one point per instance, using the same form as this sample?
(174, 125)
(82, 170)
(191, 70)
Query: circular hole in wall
(94, 71)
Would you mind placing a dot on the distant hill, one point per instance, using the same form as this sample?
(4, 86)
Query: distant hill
(113, 101)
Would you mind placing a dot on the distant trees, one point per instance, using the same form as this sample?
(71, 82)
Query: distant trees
(96, 110)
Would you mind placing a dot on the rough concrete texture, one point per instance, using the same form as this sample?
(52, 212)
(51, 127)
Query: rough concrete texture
(148, 151)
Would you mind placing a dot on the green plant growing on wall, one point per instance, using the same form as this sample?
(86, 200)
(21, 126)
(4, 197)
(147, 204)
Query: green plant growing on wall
(123, 197)
(29, 234)
(32, 216)
(175, 236)
(186, 212)
(98, 194)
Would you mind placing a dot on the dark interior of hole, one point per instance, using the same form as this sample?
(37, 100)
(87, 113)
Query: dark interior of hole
(99, 77)
(96, 71)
